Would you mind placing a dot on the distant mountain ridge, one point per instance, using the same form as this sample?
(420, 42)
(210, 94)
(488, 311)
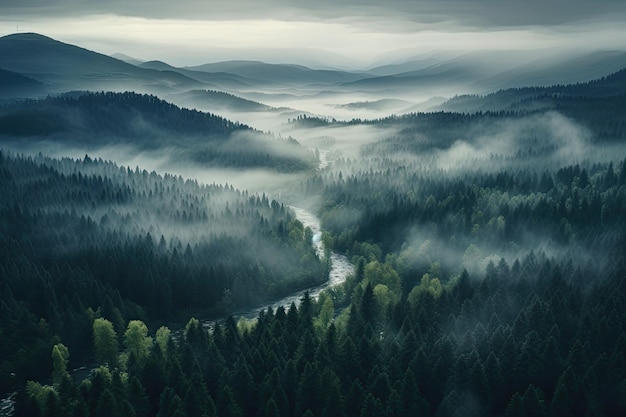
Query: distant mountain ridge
(530, 98)
(127, 59)
(598, 105)
(375, 105)
(65, 67)
(211, 79)
(279, 73)
(487, 71)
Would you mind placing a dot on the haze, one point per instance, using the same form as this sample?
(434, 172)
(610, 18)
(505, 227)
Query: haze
(351, 34)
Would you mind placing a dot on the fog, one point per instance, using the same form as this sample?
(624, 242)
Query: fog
(348, 33)
(354, 137)
(374, 178)
(553, 136)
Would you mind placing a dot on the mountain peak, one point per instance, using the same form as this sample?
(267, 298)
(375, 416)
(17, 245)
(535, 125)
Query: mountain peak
(28, 36)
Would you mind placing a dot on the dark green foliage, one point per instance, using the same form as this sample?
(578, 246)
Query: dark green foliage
(81, 240)
(498, 290)
(148, 123)
(447, 373)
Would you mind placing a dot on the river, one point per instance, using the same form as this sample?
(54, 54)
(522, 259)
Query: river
(340, 267)
(339, 271)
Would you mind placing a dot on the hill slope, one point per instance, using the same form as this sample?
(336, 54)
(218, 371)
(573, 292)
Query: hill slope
(217, 100)
(131, 242)
(145, 122)
(529, 98)
(17, 85)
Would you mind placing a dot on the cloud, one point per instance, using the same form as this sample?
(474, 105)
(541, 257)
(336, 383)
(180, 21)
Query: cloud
(475, 12)
(466, 12)
(189, 32)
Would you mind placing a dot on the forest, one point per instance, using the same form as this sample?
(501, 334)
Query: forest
(83, 238)
(406, 335)
(486, 292)
(487, 239)
(93, 120)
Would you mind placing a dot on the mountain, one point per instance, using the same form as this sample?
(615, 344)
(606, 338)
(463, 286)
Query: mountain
(410, 64)
(111, 117)
(211, 79)
(597, 106)
(426, 105)
(433, 72)
(486, 71)
(548, 71)
(14, 85)
(128, 59)
(485, 62)
(279, 73)
(429, 80)
(67, 67)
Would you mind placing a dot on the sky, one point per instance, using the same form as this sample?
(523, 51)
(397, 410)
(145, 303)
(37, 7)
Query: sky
(340, 33)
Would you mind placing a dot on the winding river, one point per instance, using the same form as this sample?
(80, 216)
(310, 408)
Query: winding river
(339, 271)
(340, 268)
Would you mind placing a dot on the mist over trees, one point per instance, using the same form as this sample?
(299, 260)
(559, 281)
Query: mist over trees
(86, 237)
(141, 122)
(520, 339)
(487, 239)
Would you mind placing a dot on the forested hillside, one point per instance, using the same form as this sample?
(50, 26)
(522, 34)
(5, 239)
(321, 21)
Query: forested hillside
(503, 210)
(489, 247)
(541, 335)
(613, 85)
(84, 238)
(486, 246)
(143, 122)
(599, 106)
(217, 100)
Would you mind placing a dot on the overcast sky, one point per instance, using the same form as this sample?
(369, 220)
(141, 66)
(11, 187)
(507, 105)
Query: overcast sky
(356, 33)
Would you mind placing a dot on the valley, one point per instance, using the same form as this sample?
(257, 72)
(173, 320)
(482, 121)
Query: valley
(438, 236)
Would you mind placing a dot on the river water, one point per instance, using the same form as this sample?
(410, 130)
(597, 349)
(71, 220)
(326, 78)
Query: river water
(339, 271)
(340, 268)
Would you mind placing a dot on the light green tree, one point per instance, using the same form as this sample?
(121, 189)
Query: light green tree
(376, 273)
(162, 339)
(137, 341)
(39, 393)
(327, 312)
(105, 342)
(60, 359)
(427, 285)
(384, 297)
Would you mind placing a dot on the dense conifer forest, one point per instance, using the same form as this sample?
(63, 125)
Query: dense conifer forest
(428, 325)
(542, 335)
(84, 238)
(487, 239)
(141, 122)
